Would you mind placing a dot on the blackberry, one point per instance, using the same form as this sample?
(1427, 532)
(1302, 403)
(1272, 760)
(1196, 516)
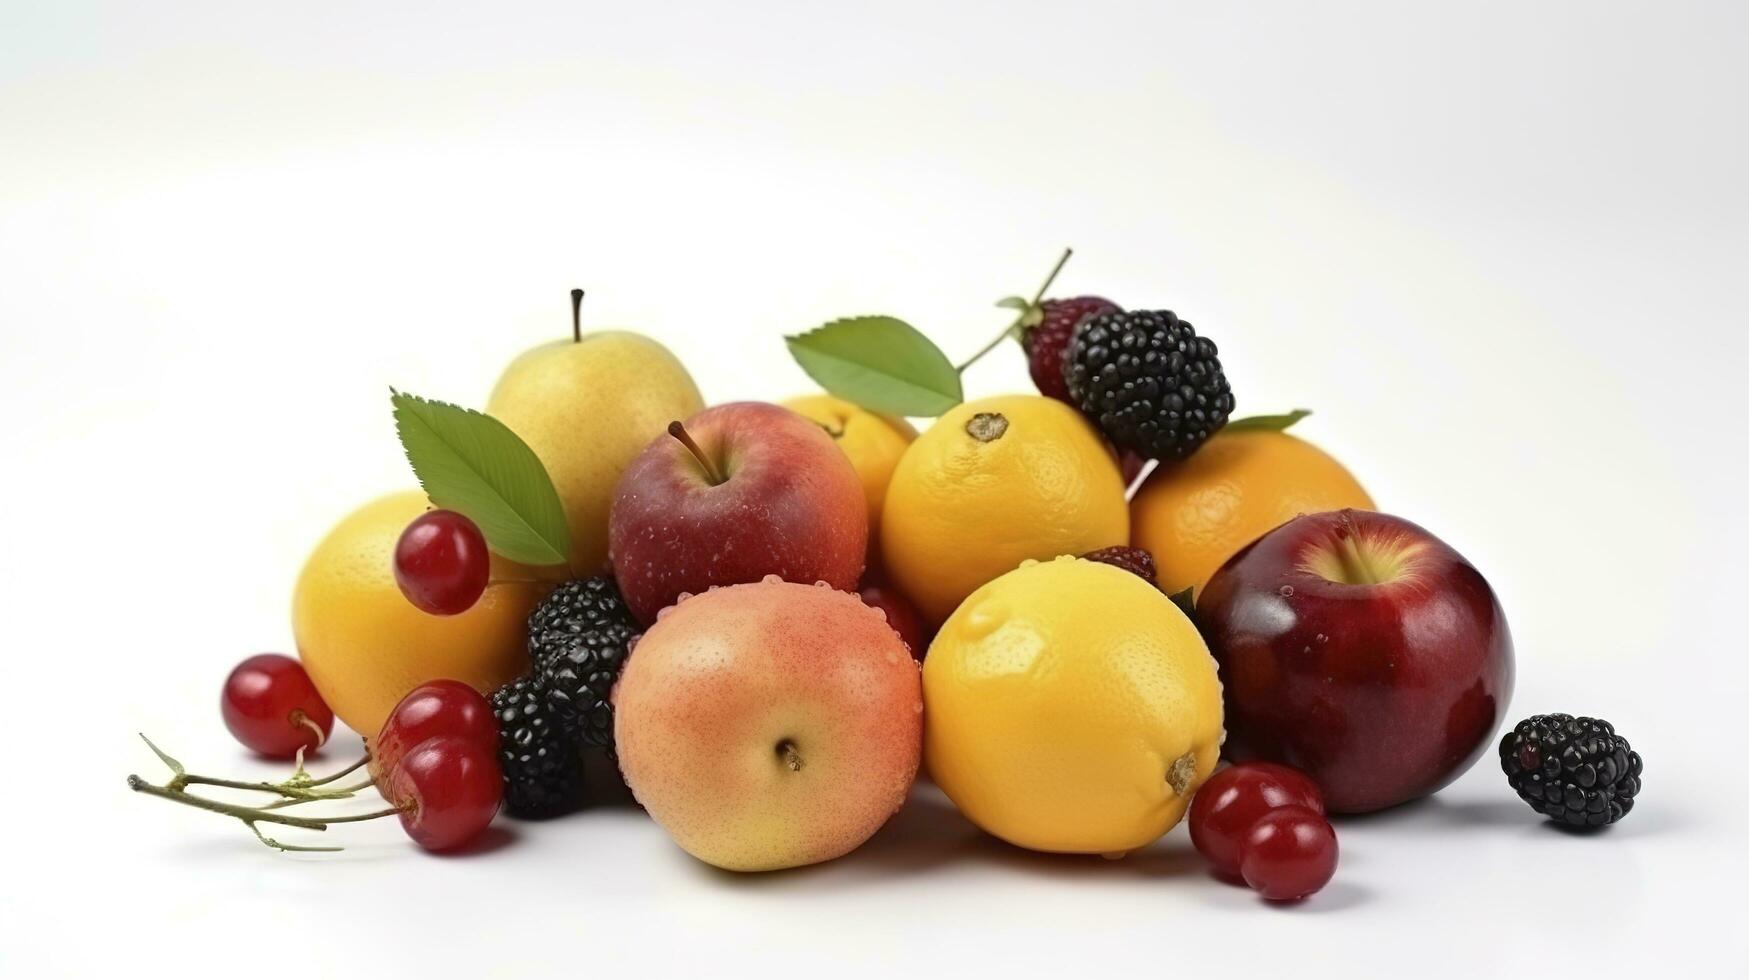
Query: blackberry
(1045, 342)
(1148, 381)
(1136, 561)
(543, 769)
(1577, 771)
(578, 639)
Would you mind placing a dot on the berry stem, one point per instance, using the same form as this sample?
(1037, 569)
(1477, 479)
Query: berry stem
(1019, 318)
(711, 473)
(576, 316)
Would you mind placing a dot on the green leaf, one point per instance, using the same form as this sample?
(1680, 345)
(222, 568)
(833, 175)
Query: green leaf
(881, 363)
(1270, 423)
(175, 767)
(1185, 599)
(472, 463)
(1019, 303)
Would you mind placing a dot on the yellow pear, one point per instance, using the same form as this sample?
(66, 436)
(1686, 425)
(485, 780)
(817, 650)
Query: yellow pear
(587, 405)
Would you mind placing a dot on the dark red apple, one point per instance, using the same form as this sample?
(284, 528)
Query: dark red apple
(736, 493)
(901, 615)
(1362, 650)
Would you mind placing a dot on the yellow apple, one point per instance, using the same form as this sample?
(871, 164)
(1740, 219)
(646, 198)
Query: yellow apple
(587, 406)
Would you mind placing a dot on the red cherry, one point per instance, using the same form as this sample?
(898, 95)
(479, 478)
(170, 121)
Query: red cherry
(270, 705)
(448, 789)
(442, 707)
(901, 616)
(441, 563)
(1235, 798)
(1288, 854)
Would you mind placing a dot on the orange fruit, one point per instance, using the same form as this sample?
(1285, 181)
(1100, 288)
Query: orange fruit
(365, 646)
(874, 443)
(1241, 484)
(993, 483)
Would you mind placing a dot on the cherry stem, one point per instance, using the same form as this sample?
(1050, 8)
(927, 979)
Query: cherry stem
(679, 432)
(349, 770)
(244, 813)
(338, 794)
(576, 316)
(299, 718)
(1019, 318)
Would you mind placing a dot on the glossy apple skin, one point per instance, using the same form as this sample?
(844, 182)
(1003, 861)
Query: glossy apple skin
(901, 615)
(1382, 693)
(791, 505)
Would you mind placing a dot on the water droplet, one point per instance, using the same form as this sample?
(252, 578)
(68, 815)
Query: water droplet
(771, 579)
(1286, 591)
(682, 597)
(918, 707)
(1028, 563)
(1321, 638)
(663, 612)
(821, 583)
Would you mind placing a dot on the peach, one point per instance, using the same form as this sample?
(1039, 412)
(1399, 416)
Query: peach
(769, 725)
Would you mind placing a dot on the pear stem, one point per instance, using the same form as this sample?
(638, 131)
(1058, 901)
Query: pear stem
(711, 473)
(576, 316)
(786, 750)
(1019, 318)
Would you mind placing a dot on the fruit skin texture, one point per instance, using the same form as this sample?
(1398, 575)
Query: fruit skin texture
(538, 752)
(1136, 561)
(900, 615)
(769, 725)
(449, 788)
(587, 409)
(1150, 383)
(874, 443)
(1236, 798)
(1071, 707)
(441, 707)
(1046, 343)
(579, 637)
(1575, 771)
(1362, 650)
(790, 505)
(365, 646)
(992, 483)
(1195, 514)
(261, 702)
(1288, 854)
(441, 563)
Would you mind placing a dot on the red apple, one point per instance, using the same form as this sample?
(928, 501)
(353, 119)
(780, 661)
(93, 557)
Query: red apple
(901, 615)
(1362, 650)
(736, 493)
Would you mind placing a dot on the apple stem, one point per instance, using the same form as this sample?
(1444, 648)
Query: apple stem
(679, 432)
(576, 316)
(1019, 318)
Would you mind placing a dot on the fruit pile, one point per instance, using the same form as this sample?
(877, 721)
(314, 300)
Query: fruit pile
(1067, 606)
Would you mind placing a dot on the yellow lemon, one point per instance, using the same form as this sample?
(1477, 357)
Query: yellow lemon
(993, 483)
(1070, 706)
(1195, 515)
(365, 646)
(874, 443)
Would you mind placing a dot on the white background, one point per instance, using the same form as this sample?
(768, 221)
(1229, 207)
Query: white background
(1501, 248)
